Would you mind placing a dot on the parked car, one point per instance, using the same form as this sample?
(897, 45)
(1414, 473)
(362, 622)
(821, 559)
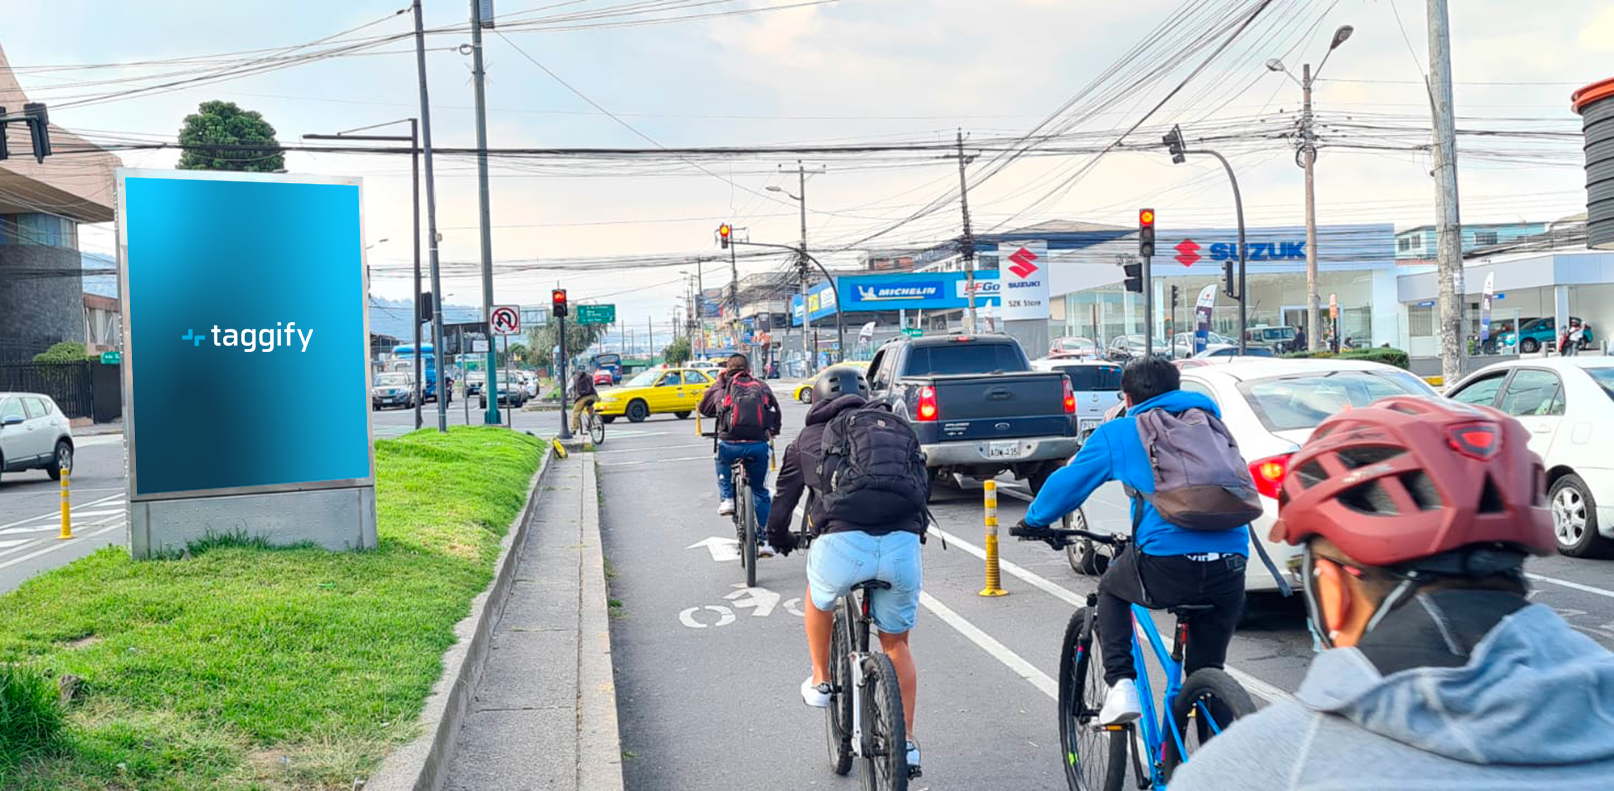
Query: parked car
(1125, 347)
(603, 378)
(1096, 384)
(1183, 343)
(1568, 406)
(1271, 407)
(34, 435)
(474, 382)
(978, 407)
(656, 392)
(1073, 346)
(804, 391)
(510, 392)
(393, 389)
(1270, 337)
(1535, 333)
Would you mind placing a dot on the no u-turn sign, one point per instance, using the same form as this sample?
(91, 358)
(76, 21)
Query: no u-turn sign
(506, 319)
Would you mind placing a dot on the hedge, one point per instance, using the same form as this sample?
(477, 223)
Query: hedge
(1395, 357)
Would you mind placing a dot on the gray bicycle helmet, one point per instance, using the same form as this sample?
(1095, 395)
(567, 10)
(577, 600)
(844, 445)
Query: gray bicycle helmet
(838, 381)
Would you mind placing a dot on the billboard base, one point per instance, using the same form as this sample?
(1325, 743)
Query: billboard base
(337, 519)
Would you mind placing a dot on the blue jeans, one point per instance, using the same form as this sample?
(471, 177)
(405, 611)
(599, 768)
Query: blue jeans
(755, 455)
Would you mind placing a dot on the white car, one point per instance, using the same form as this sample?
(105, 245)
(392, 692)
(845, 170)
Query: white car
(1096, 383)
(34, 434)
(1271, 407)
(1567, 404)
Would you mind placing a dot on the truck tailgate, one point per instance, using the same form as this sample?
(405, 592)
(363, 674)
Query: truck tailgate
(1002, 406)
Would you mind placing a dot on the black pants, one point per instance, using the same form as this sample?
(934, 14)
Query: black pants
(1170, 581)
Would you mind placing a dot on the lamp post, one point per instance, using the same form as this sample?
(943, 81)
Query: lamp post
(1307, 154)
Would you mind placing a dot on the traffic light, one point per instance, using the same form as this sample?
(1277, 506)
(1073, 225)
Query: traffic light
(723, 234)
(38, 124)
(1146, 232)
(1174, 302)
(1228, 284)
(558, 299)
(423, 308)
(1173, 141)
(1134, 277)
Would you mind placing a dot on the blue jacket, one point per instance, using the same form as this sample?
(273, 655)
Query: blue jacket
(1114, 453)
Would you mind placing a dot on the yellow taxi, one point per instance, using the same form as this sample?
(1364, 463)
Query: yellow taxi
(804, 391)
(658, 391)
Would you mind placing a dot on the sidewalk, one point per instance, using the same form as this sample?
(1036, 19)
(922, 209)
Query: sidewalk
(544, 714)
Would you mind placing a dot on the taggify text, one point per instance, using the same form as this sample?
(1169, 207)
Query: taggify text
(264, 340)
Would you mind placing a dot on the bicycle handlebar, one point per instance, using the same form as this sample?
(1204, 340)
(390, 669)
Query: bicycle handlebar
(1058, 538)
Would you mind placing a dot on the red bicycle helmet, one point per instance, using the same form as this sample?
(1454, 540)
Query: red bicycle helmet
(1409, 478)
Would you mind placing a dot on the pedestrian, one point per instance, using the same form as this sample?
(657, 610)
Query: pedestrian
(1577, 336)
(748, 417)
(1435, 668)
(1299, 343)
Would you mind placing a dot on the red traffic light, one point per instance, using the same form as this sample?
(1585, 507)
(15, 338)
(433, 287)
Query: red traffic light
(558, 299)
(724, 230)
(1145, 217)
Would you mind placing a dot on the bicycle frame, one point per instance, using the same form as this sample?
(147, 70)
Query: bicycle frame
(859, 627)
(1155, 729)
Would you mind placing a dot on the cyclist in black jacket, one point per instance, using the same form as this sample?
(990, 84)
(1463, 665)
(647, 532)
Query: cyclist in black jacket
(845, 553)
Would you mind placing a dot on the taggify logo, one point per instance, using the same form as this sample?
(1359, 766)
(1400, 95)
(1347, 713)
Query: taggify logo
(282, 335)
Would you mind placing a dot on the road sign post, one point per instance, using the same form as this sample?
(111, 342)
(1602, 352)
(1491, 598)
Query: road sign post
(504, 320)
(111, 358)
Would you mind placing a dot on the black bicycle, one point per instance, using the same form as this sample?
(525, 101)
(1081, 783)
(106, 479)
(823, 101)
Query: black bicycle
(864, 718)
(1191, 711)
(746, 529)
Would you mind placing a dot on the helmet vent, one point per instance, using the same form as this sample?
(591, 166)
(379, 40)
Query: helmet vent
(1311, 473)
(1491, 501)
(1369, 498)
(1422, 490)
(1353, 458)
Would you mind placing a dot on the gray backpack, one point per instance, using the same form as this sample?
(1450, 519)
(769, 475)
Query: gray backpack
(1200, 479)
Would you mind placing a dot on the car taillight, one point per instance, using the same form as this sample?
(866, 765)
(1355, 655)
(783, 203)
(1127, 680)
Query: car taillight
(927, 403)
(1268, 474)
(1070, 397)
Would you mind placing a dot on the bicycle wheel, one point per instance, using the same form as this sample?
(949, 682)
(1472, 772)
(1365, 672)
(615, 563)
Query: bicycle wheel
(1095, 760)
(885, 742)
(1210, 700)
(596, 428)
(1082, 554)
(838, 717)
(743, 510)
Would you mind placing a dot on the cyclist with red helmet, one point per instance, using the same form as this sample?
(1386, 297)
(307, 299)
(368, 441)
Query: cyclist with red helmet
(1416, 517)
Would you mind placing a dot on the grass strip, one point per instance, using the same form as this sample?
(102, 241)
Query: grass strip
(241, 666)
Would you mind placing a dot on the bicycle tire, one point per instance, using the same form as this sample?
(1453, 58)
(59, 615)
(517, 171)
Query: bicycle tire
(743, 505)
(596, 429)
(838, 717)
(1093, 760)
(1208, 691)
(885, 741)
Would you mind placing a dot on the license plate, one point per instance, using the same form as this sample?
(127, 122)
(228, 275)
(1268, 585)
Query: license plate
(1088, 424)
(1006, 449)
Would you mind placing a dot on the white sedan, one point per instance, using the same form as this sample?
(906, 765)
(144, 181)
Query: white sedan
(1566, 404)
(1271, 407)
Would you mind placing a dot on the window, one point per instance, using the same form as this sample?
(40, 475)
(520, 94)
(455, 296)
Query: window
(36, 407)
(1484, 238)
(1088, 378)
(877, 375)
(1196, 386)
(1286, 403)
(1533, 393)
(695, 378)
(964, 358)
(1403, 244)
(1481, 392)
(670, 379)
(11, 409)
(1421, 322)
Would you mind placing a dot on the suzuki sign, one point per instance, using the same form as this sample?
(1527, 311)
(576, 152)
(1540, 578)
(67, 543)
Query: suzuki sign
(1024, 282)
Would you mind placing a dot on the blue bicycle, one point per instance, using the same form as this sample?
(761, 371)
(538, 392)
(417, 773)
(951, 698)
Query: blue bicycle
(1190, 712)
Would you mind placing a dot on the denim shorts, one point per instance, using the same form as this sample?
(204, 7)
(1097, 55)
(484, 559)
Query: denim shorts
(837, 561)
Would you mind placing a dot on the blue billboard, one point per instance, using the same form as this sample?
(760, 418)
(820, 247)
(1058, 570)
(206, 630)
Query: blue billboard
(908, 291)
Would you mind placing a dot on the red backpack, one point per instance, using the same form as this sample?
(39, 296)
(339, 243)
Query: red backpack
(745, 409)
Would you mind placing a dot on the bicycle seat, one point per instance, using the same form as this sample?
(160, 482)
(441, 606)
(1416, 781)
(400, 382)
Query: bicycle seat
(1186, 611)
(872, 585)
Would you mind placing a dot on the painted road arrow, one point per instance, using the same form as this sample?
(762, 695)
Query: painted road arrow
(723, 549)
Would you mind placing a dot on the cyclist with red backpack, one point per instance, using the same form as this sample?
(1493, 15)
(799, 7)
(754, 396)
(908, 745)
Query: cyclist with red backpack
(747, 417)
(865, 478)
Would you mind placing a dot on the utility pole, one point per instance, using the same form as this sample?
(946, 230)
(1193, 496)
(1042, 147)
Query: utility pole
(491, 417)
(700, 307)
(431, 223)
(809, 348)
(1309, 152)
(1448, 227)
(967, 248)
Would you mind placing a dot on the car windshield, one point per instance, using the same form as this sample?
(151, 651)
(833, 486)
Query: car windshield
(1088, 378)
(644, 379)
(1604, 378)
(1301, 401)
(964, 358)
(392, 380)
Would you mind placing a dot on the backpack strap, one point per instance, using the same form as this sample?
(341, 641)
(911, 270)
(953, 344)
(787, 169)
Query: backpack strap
(1272, 568)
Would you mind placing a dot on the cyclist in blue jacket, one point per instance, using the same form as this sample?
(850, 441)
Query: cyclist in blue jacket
(1166, 565)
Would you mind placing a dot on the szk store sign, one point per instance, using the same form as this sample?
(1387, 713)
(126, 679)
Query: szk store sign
(1023, 273)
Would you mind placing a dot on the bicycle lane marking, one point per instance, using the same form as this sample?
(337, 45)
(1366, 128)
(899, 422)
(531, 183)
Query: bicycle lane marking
(57, 513)
(1571, 585)
(989, 644)
(1253, 685)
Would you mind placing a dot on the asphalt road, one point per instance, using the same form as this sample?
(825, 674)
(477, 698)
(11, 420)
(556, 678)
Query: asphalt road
(708, 671)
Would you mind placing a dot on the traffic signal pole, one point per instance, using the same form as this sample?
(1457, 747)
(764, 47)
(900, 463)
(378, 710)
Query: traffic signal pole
(565, 427)
(491, 416)
(1148, 307)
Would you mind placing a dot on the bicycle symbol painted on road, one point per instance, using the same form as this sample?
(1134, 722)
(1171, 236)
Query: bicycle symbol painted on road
(760, 601)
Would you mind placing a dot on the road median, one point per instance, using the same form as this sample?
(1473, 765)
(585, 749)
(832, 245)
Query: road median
(242, 666)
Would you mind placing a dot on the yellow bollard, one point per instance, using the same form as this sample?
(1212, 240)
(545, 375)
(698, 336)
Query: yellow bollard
(697, 424)
(773, 457)
(994, 580)
(67, 510)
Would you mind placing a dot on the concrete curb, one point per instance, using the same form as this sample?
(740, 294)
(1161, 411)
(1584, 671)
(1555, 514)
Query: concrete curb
(422, 764)
(599, 746)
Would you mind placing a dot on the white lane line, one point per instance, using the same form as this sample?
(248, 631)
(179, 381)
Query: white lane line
(1254, 685)
(707, 457)
(55, 545)
(76, 512)
(4, 545)
(57, 514)
(706, 444)
(1571, 585)
(999, 651)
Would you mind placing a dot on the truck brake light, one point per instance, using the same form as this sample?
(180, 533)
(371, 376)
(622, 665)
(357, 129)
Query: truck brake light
(1070, 396)
(927, 403)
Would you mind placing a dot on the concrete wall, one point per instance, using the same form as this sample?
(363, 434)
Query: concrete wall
(36, 311)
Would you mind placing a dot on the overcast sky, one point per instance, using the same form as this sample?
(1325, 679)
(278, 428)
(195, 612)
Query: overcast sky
(854, 70)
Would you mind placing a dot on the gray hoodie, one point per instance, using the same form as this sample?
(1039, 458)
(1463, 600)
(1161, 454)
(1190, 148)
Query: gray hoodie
(1533, 708)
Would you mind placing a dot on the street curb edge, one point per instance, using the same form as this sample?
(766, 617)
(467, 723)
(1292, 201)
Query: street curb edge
(599, 746)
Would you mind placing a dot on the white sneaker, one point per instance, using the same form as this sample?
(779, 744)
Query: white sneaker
(815, 695)
(1121, 705)
(764, 550)
(725, 508)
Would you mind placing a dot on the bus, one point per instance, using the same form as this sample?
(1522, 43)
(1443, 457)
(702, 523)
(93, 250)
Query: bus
(404, 360)
(609, 362)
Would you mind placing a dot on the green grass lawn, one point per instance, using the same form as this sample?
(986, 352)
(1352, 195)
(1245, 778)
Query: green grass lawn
(243, 667)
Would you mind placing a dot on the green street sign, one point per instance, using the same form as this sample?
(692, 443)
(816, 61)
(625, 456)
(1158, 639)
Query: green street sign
(111, 358)
(596, 314)
(912, 332)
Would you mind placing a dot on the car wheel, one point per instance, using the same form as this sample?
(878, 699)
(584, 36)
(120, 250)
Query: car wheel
(638, 411)
(806, 396)
(1529, 346)
(682, 415)
(1574, 518)
(63, 460)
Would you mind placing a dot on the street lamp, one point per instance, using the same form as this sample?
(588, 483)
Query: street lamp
(1306, 157)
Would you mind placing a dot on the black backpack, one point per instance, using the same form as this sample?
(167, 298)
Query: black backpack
(745, 409)
(870, 470)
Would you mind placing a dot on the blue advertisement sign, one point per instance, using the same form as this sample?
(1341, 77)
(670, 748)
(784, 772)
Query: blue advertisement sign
(243, 290)
(908, 291)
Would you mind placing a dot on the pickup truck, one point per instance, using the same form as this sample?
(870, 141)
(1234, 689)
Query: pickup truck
(977, 406)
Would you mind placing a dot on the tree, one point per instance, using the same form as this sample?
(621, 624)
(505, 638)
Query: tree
(517, 354)
(222, 136)
(541, 341)
(64, 352)
(677, 352)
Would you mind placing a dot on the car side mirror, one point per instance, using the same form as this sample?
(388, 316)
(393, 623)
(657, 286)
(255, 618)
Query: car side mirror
(11, 420)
